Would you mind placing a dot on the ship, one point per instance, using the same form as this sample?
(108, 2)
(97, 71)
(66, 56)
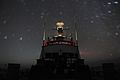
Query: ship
(60, 58)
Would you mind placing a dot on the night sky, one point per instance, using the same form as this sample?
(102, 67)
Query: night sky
(21, 27)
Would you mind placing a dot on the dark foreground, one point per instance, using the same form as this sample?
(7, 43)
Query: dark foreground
(107, 71)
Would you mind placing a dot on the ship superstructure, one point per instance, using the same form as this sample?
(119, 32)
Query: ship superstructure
(60, 58)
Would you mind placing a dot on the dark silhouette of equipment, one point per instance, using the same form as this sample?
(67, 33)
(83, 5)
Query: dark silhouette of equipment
(13, 71)
(109, 71)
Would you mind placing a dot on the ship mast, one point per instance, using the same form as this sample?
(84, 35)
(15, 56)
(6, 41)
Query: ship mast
(76, 33)
(44, 35)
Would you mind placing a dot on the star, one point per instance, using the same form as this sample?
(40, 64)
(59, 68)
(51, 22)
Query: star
(91, 21)
(41, 16)
(109, 11)
(5, 37)
(5, 21)
(116, 2)
(97, 16)
(116, 33)
(109, 3)
(21, 38)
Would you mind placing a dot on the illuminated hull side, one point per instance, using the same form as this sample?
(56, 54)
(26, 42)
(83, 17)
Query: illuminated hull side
(60, 60)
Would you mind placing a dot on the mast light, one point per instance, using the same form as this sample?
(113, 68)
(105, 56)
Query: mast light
(60, 24)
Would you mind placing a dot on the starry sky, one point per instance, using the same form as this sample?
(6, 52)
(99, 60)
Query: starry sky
(21, 27)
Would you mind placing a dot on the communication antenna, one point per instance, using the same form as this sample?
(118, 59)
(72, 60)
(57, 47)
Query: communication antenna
(76, 32)
(75, 25)
(44, 33)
